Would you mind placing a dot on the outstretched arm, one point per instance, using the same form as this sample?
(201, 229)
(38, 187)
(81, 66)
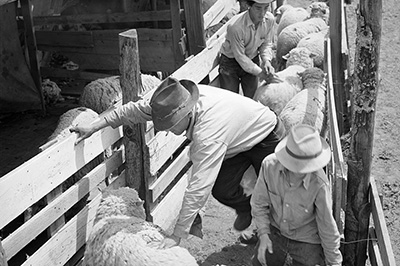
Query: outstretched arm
(84, 131)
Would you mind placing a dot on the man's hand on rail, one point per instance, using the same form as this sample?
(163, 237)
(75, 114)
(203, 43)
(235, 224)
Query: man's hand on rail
(83, 131)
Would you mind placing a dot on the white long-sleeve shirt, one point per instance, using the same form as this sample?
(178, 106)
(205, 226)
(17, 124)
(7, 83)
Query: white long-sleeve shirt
(224, 124)
(244, 41)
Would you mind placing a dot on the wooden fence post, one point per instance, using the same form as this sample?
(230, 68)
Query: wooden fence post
(136, 151)
(195, 26)
(3, 259)
(366, 83)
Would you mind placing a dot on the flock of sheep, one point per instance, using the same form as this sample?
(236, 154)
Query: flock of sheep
(297, 94)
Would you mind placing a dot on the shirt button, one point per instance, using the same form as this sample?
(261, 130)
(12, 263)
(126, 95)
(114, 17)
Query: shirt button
(284, 221)
(306, 210)
(287, 205)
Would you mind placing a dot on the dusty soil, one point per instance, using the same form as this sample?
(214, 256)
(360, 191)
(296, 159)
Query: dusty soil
(220, 245)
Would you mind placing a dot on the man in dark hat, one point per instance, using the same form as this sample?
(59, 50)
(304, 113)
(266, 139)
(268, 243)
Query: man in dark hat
(247, 51)
(228, 133)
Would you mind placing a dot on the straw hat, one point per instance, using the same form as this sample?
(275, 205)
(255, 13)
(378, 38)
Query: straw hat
(303, 150)
(172, 101)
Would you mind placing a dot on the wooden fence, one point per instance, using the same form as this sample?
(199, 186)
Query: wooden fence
(155, 163)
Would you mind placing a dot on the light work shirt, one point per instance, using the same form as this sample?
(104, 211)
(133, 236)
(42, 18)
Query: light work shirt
(224, 124)
(244, 41)
(302, 211)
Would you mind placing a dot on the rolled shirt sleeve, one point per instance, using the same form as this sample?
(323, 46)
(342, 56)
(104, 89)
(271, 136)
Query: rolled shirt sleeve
(129, 114)
(244, 42)
(260, 203)
(207, 158)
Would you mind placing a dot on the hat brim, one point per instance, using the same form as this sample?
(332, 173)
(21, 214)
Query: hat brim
(165, 125)
(302, 165)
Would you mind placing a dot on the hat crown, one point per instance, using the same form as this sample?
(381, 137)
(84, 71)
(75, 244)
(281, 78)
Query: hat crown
(170, 96)
(304, 142)
(171, 101)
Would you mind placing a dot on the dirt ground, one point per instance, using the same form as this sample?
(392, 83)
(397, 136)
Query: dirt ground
(220, 245)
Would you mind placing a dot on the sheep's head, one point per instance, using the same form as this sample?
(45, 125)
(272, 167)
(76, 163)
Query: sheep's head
(312, 77)
(300, 56)
(319, 10)
(279, 12)
(122, 201)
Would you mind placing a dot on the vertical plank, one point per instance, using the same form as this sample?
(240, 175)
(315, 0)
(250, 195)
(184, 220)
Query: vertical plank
(3, 260)
(335, 32)
(26, 9)
(175, 9)
(365, 92)
(136, 151)
(194, 26)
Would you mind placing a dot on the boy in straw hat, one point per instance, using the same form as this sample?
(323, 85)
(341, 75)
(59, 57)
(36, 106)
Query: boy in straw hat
(248, 41)
(292, 204)
(228, 133)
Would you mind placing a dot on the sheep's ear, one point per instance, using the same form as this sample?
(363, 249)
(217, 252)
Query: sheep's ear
(139, 202)
(313, 55)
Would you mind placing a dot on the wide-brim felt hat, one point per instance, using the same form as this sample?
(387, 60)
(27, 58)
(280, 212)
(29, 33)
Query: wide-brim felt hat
(303, 150)
(172, 101)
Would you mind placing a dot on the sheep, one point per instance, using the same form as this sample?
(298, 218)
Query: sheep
(299, 54)
(292, 34)
(288, 15)
(320, 10)
(72, 117)
(275, 95)
(101, 94)
(315, 43)
(276, 92)
(51, 92)
(309, 105)
(291, 75)
(121, 236)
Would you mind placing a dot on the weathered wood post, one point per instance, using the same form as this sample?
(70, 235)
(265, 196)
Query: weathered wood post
(3, 259)
(136, 151)
(366, 83)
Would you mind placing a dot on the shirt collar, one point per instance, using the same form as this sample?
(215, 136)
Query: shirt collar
(189, 131)
(248, 22)
(306, 180)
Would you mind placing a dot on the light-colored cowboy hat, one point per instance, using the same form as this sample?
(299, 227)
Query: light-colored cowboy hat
(172, 101)
(263, 1)
(303, 150)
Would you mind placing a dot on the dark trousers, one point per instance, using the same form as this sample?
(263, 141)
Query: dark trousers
(290, 252)
(227, 189)
(231, 75)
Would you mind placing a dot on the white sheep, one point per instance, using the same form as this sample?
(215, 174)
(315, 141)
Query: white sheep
(292, 34)
(275, 95)
(315, 43)
(291, 75)
(70, 118)
(319, 10)
(101, 94)
(309, 105)
(299, 54)
(288, 15)
(121, 236)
